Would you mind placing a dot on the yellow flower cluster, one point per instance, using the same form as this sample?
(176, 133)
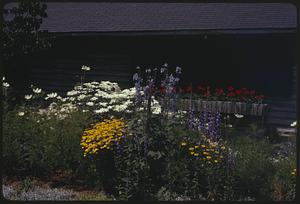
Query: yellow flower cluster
(294, 172)
(102, 135)
(210, 153)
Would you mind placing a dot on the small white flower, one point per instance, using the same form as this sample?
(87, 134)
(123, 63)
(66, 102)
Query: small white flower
(294, 124)
(81, 96)
(85, 68)
(28, 97)
(95, 83)
(103, 104)
(21, 113)
(51, 95)
(229, 125)
(37, 90)
(93, 98)
(72, 93)
(90, 103)
(3, 78)
(238, 115)
(84, 111)
(101, 110)
(64, 99)
(5, 84)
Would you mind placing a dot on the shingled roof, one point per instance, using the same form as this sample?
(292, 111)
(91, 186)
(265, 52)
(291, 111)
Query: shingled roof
(125, 17)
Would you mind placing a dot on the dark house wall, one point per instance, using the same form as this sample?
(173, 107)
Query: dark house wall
(262, 61)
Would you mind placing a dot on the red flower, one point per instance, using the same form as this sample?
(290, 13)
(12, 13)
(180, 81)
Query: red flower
(162, 89)
(230, 88)
(231, 94)
(188, 89)
(207, 93)
(259, 97)
(238, 92)
(243, 98)
(252, 92)
(220, 91)
(200, 88)
(245, 91)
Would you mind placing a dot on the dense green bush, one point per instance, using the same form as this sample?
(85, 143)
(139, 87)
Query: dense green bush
(39, 144)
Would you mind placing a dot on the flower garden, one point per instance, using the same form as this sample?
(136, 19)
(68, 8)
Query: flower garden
(154, 141)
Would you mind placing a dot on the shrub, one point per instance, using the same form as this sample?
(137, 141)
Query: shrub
(39, 144)
(253, 169)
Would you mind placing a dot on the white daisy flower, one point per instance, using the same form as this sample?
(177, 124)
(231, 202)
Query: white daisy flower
(90, 103)
(5, 84)
(28, 97)
(37, 90)
(93, 98)
(81, 96)
(238, 115)
(72, 93)
(21, 113)
(294, 124)
(101, 110)
(85, 68)
(51, 95)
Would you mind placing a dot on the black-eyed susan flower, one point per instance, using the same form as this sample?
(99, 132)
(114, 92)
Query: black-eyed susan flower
(102, 136)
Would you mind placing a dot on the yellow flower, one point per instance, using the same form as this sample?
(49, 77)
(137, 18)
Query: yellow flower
(191, 148)
(223, 147)
(216, 161)
(183, 144)
(196, 147)
(196, 154)
(102, 135)
(192, 153)
(208, 157)
(203, 146)
(205, 153)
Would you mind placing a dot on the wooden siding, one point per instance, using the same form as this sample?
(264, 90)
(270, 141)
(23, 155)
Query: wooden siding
(62, 75)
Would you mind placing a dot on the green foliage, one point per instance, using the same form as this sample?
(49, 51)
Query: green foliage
(284, 180)
(39, 144)
(254, 170)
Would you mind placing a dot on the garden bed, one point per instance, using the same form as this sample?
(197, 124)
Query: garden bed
(132, 145)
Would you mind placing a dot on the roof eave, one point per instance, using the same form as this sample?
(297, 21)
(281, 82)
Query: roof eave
(178, 32)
